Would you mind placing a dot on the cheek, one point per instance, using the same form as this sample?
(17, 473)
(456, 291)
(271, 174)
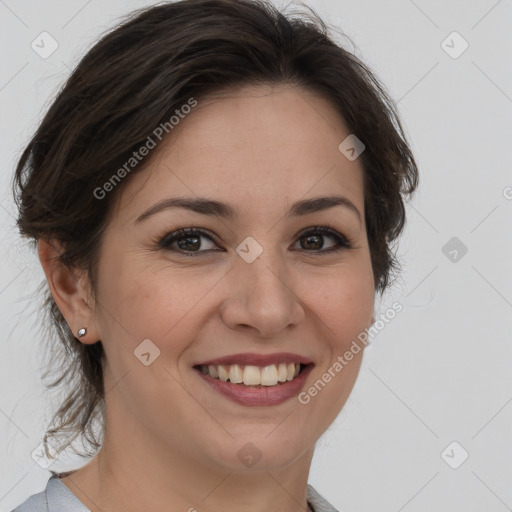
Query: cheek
(142, 302)
(343, 303)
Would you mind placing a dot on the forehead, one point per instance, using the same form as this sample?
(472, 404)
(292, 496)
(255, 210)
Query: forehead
(262, 146)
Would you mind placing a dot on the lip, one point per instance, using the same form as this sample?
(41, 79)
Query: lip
(258, 396)
(253, 359)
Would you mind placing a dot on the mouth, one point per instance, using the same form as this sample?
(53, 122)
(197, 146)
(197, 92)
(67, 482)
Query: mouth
(250, 375)
(259, 384)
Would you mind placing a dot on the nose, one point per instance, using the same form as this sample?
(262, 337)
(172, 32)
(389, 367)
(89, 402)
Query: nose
(261, 298)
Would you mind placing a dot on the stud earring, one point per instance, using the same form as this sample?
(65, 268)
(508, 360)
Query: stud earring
(82, 331)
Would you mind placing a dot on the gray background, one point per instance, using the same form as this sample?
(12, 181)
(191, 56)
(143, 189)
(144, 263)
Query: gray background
(440, 371)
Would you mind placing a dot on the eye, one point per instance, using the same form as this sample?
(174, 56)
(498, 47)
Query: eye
(187, 241)
(314, 240)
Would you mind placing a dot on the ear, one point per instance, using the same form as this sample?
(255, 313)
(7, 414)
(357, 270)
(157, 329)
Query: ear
(70, 290)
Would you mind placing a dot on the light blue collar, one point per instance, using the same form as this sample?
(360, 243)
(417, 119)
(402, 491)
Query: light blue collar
(60, 499)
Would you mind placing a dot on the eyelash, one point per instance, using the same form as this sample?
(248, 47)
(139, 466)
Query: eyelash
(342, 242)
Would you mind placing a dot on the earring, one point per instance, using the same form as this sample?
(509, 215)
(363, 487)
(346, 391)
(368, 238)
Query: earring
(82, 331)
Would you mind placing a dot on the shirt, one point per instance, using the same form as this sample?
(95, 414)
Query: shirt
(58, 498)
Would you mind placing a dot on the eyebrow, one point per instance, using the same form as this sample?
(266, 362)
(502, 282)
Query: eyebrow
(224, 210)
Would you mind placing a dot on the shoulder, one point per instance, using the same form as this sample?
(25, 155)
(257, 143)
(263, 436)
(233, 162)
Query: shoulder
(35, 503)
(55, 498)
(59, 496)
(318, 502)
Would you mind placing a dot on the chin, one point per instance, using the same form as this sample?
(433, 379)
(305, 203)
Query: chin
(261, 450)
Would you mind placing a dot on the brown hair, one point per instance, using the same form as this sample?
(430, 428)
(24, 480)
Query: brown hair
(133, 80)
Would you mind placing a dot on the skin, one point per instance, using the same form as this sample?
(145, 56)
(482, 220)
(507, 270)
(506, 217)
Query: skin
(171, 443)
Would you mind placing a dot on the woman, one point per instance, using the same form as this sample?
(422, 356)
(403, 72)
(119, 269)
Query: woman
(213, 195)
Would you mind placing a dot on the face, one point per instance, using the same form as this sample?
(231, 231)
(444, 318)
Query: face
(268, 284)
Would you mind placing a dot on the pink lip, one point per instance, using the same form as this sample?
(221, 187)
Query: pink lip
(257, 359)
(259, 395)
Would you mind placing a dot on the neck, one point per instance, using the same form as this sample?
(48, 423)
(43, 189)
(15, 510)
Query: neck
(133, 472)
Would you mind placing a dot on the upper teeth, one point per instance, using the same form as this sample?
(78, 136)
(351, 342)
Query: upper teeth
(253, 375)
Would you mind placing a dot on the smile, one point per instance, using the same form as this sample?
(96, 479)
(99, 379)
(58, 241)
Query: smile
(249, 375)
(253, 380)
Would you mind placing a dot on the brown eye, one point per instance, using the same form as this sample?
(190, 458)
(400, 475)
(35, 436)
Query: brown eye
(186, 240)
(189, 241)
(313, 240)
